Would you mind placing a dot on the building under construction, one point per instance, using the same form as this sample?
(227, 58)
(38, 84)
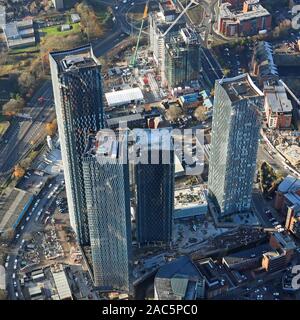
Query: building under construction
(176, 48)
(183, 58)
(162, 25)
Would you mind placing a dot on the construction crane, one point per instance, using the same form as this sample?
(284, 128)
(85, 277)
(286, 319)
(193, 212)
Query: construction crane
(145, 15)
(179, 17)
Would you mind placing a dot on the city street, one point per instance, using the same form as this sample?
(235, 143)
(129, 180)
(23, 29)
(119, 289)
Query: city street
(30, 226)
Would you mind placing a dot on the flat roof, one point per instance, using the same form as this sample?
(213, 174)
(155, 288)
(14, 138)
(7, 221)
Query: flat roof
(240, 87)
(289, 184)
(126, 96)
(62, 285)
(189, 197)
(81, 57)
(277, 99)
(127, 118)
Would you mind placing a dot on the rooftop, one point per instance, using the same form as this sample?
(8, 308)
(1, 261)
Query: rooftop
(105, 145)
(289, 184)
(256, 11)
(277, 99)
(189, 197)
(177, 280)
(122, 97)
(73, 59)
(62, 285)
(240, 87)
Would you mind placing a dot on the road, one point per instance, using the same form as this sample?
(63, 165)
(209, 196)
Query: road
(23, 133)
(29, 227)
(21, 136)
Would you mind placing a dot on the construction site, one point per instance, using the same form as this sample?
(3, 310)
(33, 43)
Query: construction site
(157, 79)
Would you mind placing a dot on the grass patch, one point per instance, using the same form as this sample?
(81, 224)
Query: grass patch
(32, 49)
(56, 30)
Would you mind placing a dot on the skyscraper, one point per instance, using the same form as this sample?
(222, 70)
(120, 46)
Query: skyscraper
(155, 188)
(183, 58)
(108, 205)
(77, 88)
(235, 135)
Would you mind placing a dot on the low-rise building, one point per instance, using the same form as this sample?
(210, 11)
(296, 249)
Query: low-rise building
(124, 97)
(253, 19)
(190, 203)
(19, 34)
(290, 185)
(274, 260)
(179, 280)
(62, 285)
(278, 107)
(246, 259)
(263, 65)
(292, 223)
(283, 243)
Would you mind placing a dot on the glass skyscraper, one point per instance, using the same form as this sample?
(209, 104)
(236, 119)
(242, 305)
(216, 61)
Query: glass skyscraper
(155, 188)
(235, 136)
(108, 206)
(77, 88)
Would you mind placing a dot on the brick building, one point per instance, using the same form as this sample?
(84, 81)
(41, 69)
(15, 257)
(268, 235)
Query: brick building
(252, 19)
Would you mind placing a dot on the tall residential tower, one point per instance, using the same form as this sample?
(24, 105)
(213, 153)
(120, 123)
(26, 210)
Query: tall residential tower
(155, 188)
(77, 88)
(235, 136)
(106, 175)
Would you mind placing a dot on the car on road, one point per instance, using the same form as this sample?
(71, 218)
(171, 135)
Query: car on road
(17, 295)
(6, 265)
(17, 236)
(15, 284)
(22, 228)
(14, 276)
(27, 218)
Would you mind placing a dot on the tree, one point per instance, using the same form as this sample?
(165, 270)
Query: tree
(200, 113)
(19, 172)
(26, 82)
(13, 106)
(51, 128)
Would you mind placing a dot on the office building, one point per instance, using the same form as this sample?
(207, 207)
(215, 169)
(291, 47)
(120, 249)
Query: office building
(183, 58)
(106, 178)
(77, 88)
(155, 187)
(235, 133)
